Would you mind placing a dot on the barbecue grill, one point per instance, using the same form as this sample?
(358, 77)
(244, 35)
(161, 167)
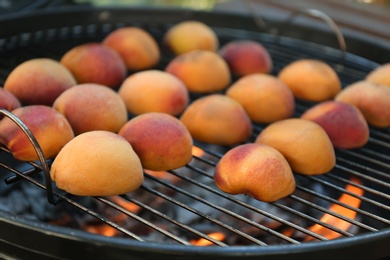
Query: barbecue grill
(175, 214)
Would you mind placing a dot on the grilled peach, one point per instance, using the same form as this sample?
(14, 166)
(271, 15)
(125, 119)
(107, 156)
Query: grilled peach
(257, 170)
(305, 144)
(39, 81)
(189, 36)
(137, 47)
(246, 57)
(344, 123)
(161, 141)
(95, 63)
(50, 128)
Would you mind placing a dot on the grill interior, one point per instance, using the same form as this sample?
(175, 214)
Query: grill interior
(183, 205)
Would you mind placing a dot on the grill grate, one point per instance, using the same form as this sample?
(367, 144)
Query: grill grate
(287, 221)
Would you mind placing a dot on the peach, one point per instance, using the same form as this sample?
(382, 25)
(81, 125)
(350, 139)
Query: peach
(95, 63)
(265, 98)
(217, 119)
(137, 47)
(161, 141)
(311, 80)
(246, 57)
(305, 144)
(8, 101)
(39, 81)
(91, 106)
(50, 128)
(154, 91)
(97, 163)
(344, 123)
(372, 99)
(201, 71)
(189, 36)
(380, 75)
(257, 170)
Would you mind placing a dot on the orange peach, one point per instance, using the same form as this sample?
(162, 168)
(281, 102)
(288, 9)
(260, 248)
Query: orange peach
(97, 163)
(201, 71)
(137, 47)
(264, 97)
(91, 106)
(95, 63)
(305, 144)
(344, 123)
(380, 75)
(372, 99)
(160, 140)
(190, 35)
(154, 91)
(246, 57)
(311, 80)
(8, 101)
(257, 170)
(217, 119)
(39, 81)
(50, 128)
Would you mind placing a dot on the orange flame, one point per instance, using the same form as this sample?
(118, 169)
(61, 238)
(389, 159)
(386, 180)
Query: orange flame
(196, 151)
(335, 221)
(204, 242)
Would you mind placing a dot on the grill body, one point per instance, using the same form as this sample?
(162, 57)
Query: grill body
(60, 30)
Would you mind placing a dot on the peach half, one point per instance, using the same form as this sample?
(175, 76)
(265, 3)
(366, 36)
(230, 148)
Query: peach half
(265, 98)
(257, 170)
(217, 119)
(95, 63)
(311, 80)
(344, 123)
(97, 163)
(136, 46)
(161, 141)
(305, 144)
(50, 128)
(154, 91)
(91, 106)
(246, 57)
(39, 81)
(201, 71)
(372, 99)
(189, 36)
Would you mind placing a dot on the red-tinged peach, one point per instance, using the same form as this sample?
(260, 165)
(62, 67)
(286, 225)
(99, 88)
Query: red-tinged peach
(380, 75)
(246, 57)
(344, 123)
(189, 36)
(50, 128)
(154, 91)
(311, 80)
(39, 81)
(305, 144)
(372, 99)
(8, 101)
(91, 106)
(95, 63)
(136, 46)
(217, 119)
(97, 163)
(257, 170)
(265, 98)
(160, 140)
(201, 71)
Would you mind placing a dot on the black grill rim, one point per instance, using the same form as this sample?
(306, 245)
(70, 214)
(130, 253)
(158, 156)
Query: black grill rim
(370, 245)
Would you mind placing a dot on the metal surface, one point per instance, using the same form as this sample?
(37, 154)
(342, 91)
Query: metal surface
(366, 169)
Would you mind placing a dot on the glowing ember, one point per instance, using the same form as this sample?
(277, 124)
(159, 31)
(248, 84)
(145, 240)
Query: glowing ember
(204, 242)
(338, 209)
